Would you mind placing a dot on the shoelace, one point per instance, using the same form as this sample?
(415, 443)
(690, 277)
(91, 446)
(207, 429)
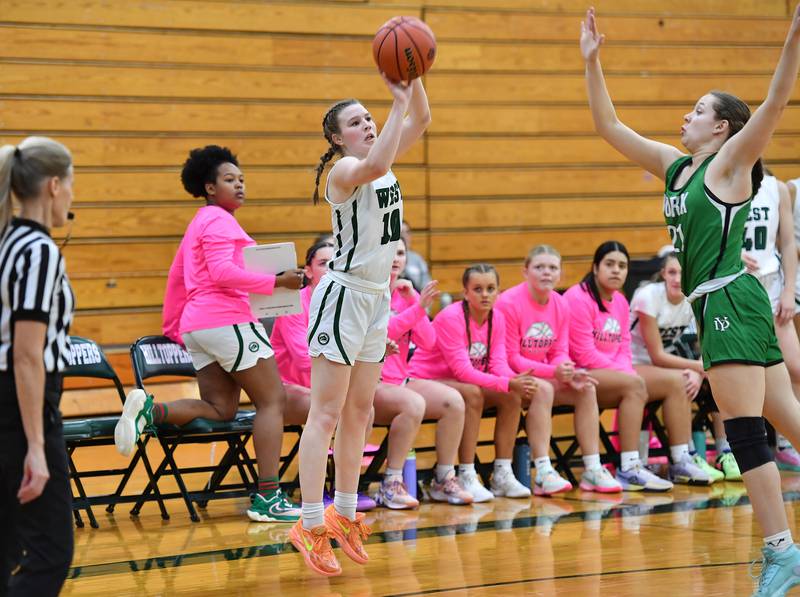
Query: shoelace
(764, 577)
(363, 530)
(284, 503)
(451, 485)
(322, 543)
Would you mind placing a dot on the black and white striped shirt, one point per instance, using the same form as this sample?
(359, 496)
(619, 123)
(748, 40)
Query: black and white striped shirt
(34, 287)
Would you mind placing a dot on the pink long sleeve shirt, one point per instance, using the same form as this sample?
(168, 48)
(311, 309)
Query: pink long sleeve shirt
(537, 336)
(290, 343)
(207, 286)
(599, 340)
(409, 322)
(451, 358)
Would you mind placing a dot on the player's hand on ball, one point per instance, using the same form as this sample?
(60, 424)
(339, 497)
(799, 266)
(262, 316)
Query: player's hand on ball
(401, 91)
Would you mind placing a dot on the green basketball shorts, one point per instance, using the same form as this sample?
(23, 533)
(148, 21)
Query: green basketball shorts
(736, 325)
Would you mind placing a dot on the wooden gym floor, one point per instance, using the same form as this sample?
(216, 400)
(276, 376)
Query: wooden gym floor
(693, 541)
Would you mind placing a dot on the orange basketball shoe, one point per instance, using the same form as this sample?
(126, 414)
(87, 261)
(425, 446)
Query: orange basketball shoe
(315, 547)
(349, 534)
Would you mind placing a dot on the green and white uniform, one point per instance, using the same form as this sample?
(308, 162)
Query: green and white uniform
(761, 238)
(349, 310)
(731, 307)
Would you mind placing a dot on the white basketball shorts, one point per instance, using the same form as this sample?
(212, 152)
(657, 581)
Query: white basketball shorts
(234, 347)
(347, 325)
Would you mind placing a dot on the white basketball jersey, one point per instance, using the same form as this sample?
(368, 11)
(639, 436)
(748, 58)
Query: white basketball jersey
(761, 229)
(366, 229)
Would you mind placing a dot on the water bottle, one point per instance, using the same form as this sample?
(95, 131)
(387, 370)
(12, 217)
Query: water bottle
(410, 473)
(522, 464)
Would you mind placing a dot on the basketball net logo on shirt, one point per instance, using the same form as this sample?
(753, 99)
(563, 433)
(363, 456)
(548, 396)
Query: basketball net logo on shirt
(721, 323)
(611, 331)
(387, 197)
(540, 336)
(479, 356)
(675, 206)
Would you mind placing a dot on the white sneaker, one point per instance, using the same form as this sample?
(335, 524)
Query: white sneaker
(550, 483)
(136, 415)
(470, 482)
(505, 484)
(599, 480)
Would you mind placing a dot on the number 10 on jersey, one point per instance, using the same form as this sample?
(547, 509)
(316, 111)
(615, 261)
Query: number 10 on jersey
(391, 226)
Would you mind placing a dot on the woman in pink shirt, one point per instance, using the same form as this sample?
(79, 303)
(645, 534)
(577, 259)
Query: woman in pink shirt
(537, 340)
(430, 399)
(600, 341)
(206, 308)
(470, 355)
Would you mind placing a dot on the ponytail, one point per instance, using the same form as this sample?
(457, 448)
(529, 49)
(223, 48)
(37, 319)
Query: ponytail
(25, 167)
(323, 160)
(330, 127)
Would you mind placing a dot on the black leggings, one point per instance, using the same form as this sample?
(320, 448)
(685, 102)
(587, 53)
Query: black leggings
(36, 539)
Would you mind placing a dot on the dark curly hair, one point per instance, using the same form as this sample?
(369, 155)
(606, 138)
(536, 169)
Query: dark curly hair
(201, 168)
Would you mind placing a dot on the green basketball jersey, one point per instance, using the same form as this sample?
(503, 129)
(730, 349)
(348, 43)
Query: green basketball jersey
(707, 234)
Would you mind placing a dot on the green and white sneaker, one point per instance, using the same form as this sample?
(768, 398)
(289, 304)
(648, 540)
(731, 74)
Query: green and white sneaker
(714, 473)
(137, 414)
(728, 465)
(277, 508)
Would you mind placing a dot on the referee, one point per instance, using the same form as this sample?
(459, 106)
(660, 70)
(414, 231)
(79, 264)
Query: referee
(36, 306)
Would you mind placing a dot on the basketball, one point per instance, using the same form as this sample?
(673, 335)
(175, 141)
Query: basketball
(404, 48)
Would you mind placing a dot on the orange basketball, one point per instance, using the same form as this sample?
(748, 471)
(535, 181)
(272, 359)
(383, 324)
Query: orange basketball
(404, 48)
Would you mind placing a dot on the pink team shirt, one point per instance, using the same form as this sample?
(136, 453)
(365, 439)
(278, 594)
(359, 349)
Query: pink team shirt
(537, 336)
(409, 322)
(207, 286)
(451, 358)
(599, 340)
(290, 343)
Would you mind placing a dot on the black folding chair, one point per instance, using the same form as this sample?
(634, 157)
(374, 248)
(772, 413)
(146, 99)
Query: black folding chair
(158, 356)
(86, 359)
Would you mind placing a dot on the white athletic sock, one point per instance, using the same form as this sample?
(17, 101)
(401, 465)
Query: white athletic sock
(628, 460)
(782, 442)
(591, 462)
(442, 470)
(502, 464)
(393, 472)
(543, 465)
(779, 541)
(345, 504)
(312, 513)
(644, 445)
(722, 445)
(692, 449)
(464, 469)
(678, 452)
